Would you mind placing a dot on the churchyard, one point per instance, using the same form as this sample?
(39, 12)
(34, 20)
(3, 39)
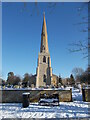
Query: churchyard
(77, 108)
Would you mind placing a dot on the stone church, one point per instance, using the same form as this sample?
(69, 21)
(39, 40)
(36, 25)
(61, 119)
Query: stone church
(44, 76)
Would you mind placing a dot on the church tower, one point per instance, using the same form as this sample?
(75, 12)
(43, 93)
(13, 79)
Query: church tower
(44, 70)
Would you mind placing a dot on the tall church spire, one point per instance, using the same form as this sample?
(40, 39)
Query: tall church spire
(44, 70)
(44, 40)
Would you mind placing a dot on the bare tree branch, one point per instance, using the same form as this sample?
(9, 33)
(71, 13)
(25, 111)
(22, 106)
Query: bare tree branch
(82, 46)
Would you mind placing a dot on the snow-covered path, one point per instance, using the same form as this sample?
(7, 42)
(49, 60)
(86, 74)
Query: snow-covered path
(75, 109)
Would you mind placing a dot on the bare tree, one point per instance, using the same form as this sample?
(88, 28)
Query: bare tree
(50, 6)
(77, 72)
(13, 79)
(83, 46)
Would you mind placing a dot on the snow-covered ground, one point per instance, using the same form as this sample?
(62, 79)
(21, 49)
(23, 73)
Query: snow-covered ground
(75, 109)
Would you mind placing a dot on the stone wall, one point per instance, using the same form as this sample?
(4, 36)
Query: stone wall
(15, 96)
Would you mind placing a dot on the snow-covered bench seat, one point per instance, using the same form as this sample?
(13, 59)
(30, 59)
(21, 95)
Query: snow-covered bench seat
(49, 99)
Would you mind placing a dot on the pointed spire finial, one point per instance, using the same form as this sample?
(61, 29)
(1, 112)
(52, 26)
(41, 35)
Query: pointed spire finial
(43, 13)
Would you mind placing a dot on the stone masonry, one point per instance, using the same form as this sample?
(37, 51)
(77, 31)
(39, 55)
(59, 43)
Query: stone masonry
(44, 70)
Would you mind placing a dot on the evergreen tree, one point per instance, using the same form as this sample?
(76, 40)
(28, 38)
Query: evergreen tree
(10, 79)
(60, 80)
(72, 81)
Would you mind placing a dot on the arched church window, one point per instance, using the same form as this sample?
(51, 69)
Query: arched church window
(44, 78)
(44, 59)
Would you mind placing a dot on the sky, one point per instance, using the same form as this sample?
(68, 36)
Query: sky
(21, 37)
